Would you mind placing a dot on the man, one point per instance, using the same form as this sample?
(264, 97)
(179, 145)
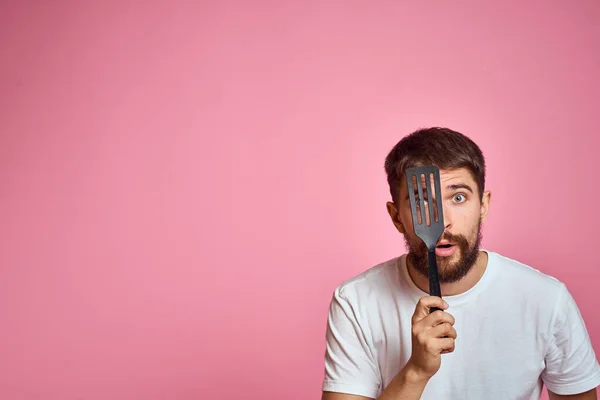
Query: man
(505, 330)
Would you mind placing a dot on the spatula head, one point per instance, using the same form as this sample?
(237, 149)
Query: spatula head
(425, 195)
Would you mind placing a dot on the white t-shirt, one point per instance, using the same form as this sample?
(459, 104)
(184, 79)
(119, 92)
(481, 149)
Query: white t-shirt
(517, 329)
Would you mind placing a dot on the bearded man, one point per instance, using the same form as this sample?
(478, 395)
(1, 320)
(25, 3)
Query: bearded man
(501, 330)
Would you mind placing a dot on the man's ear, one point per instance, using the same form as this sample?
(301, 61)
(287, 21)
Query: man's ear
(395, 216)
(485, 204)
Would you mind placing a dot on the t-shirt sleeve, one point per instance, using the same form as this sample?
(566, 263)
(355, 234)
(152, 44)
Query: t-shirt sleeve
(571, 364)
(350, 366)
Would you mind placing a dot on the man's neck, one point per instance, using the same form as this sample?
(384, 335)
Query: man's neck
(452, 289)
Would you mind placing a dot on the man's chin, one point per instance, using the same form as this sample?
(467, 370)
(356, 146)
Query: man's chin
(449, 261)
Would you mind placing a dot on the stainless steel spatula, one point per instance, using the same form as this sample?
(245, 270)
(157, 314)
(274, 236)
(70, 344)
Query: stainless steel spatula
(424, 192)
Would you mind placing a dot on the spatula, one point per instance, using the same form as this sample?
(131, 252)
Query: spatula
(427, 216)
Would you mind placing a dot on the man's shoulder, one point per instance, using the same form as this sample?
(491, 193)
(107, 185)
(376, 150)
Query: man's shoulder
(523, 274)
(371, 280)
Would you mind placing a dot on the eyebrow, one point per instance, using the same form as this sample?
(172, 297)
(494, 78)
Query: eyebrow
(459, 186)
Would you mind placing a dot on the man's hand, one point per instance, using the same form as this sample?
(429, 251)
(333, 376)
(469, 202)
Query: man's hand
(433, 334)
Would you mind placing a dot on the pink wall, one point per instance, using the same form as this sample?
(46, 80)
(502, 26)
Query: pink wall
(183, 186)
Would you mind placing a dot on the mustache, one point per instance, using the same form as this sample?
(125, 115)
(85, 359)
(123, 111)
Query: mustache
(460, 240)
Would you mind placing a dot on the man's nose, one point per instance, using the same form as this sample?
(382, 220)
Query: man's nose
(447, 217)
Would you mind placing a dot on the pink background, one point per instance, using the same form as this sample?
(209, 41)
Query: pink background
(183, 185)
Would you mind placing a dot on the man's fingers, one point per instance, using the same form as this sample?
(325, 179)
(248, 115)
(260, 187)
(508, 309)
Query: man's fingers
(436, 318)
(425, 304)
(444, 330)
(447, 345)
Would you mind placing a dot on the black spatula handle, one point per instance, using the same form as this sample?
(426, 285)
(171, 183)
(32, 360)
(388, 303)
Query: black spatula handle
(434, 283)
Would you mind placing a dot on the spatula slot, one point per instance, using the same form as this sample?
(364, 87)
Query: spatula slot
(426, 198)
(432, 200)
(417, 196)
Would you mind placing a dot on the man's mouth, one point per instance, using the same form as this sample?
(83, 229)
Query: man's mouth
(445, 249)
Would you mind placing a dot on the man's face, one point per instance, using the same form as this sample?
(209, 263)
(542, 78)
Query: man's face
(463, 215)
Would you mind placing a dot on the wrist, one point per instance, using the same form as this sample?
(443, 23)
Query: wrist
(413, 375)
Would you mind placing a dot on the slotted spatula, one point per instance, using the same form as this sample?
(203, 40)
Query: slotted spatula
(427, 216)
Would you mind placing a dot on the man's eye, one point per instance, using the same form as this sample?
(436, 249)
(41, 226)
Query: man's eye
(459, 198)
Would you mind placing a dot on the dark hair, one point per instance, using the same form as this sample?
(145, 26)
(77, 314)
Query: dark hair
(442, 147)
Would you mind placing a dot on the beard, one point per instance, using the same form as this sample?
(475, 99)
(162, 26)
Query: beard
(448, 271)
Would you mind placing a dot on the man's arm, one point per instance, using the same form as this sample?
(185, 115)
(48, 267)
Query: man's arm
(342, 396)
(407, 385)
(571, 365)
(589, 395)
